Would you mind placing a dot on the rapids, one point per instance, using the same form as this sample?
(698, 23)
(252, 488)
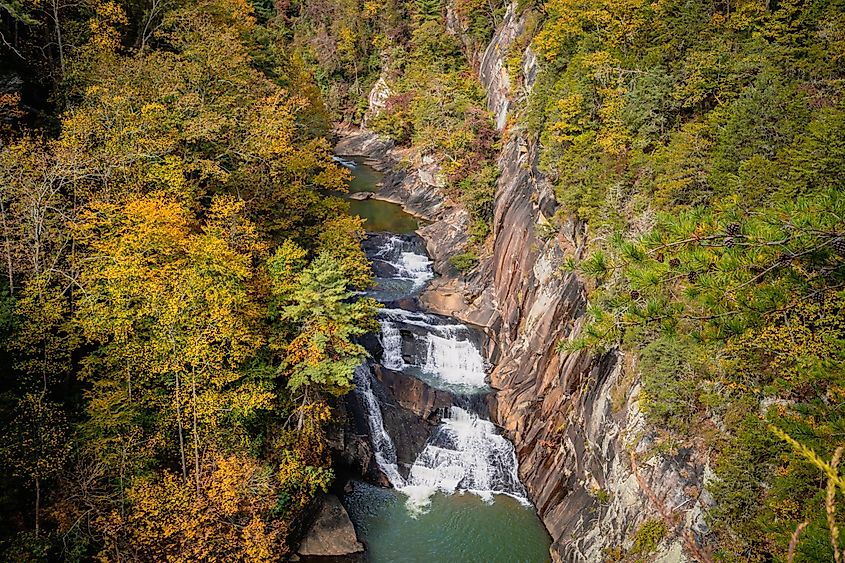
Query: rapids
(461, 499)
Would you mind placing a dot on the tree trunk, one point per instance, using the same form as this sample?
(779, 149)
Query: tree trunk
(179, 425)
(8, 246)
(59, 37)
(37, 506)
(196, 436)
(300, 420)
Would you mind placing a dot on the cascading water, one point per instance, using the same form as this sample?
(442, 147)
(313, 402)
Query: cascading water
(385, 452)
(345, 162)
(420, 518)
(444, 353)
(400, 264)
(464, 453)
(456, 361)
(391, 342)
(409, 264)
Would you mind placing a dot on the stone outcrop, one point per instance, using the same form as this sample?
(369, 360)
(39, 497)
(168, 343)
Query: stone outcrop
(573, 418)
(349, 442)
(414, 395)
(332, 533)
(377, 98)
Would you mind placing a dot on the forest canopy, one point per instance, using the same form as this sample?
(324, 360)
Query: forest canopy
(176, 281)
(177, 277)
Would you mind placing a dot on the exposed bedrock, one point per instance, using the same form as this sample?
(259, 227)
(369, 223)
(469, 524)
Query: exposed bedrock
(573, 418)
(411, 410)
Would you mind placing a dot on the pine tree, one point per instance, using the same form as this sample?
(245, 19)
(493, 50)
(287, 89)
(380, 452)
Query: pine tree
(427, 10)
(323, 354)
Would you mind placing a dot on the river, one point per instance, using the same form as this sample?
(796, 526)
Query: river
(461, 499)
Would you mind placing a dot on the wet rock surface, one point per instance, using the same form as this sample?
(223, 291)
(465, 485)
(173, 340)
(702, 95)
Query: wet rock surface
(414, 394)
(410, 411)
(409, 430)
(349, 443)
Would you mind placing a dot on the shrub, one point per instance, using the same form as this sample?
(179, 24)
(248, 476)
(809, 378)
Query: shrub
(648, 536)
(668, 395)
(464, 262)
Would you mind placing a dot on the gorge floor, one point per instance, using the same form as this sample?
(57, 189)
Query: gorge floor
(460, 499)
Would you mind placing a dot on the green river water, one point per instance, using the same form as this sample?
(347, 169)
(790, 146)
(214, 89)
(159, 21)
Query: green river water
(460, 527)
(380, 215)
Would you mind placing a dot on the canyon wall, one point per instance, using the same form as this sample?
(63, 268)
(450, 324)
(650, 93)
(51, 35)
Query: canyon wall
(573, 418)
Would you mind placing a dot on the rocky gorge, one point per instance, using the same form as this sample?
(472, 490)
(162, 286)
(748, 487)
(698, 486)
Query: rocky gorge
(583, 447)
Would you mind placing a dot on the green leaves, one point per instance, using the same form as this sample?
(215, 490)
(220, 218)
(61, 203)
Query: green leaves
(597, 264)
(728, 307)
(717, 275)
(319, 313)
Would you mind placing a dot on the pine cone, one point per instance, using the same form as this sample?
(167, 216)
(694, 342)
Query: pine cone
(730, 242)
(635, 295)
(692, 276)
(674, 263)
(838, 246)
(733, 230)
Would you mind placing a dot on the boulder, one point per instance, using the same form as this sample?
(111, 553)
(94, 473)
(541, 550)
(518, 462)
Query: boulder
(332, 533)
(414, 394)
(383, 269)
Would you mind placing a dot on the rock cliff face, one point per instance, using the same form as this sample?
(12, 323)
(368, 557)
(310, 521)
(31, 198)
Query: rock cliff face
(573, 418)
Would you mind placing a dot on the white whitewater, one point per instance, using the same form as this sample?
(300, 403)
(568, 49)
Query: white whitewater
(345, 162)
(465, 452)
(410, 266)
(447, 351)
(455, 361)
(385, 451)
(391, 342)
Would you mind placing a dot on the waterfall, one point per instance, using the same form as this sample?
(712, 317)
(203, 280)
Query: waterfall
(415, 268)
(456, 361)
(407, 259)
(400, 264)
(443, 349)
(385, 452)
(391, 342)
(464, 452)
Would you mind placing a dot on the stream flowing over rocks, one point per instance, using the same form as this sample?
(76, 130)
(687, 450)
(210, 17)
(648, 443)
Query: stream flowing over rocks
(463, 451)
(422, 405)
(574, 419)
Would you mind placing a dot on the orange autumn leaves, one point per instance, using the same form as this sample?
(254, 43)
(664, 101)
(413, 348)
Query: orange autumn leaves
(225, 522)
